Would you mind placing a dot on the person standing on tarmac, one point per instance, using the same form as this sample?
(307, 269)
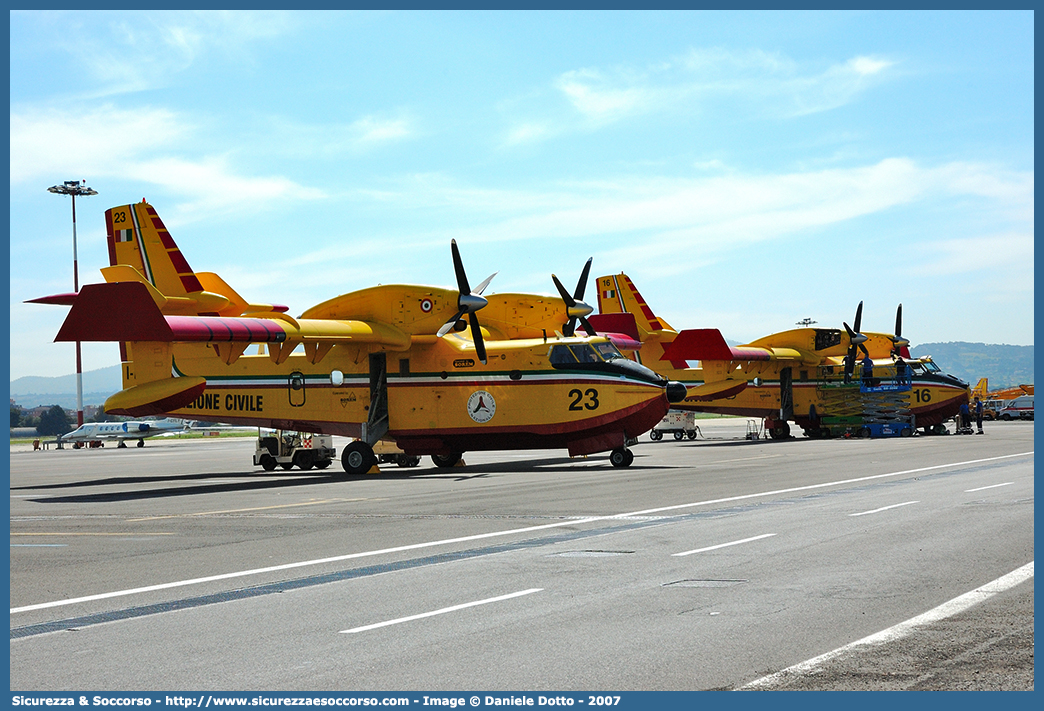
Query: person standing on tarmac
(964, 427)
(978, 415)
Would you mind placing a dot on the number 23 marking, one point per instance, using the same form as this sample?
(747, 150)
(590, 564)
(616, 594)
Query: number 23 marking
(592, 399)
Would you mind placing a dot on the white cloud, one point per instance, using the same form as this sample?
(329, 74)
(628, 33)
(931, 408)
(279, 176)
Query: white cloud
(774, 86)
(80, 142)
(121, 56)
(108, 142)
(600, 101)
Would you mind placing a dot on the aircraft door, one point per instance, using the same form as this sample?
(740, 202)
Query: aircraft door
(786, 394)
(296, 389)
(377, 420)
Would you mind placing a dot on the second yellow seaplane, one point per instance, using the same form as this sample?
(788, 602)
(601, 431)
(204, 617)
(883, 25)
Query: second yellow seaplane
(394, 362)
(809, 376)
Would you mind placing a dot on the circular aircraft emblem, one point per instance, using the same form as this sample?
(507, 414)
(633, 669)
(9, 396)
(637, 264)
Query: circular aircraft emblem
(426, 305)
(481, 406)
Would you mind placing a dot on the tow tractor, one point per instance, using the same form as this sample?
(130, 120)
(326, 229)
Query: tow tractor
(288, 449)
(681, 422)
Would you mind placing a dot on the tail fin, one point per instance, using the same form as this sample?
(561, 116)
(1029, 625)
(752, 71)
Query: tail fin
(141, 249)
(617, 294)
(138, 238)
(981, 388)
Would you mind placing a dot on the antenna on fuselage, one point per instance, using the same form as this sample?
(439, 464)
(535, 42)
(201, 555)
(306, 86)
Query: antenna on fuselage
(806, 322)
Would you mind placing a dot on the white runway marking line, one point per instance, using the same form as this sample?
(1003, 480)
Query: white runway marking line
(884, 508)
(443, 611)
(991, 486)
(947, 609)
(493, 534)
(725, 545)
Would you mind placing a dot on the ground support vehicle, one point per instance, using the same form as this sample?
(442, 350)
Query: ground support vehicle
(889, 429)
(288, 449)
(680, 423)
(1020, 408)
(880, 410)
(991, 409)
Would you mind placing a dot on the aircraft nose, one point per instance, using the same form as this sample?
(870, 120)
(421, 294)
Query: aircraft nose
(675, 391)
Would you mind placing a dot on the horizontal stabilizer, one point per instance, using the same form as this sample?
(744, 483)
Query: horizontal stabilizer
(708, 344)
(57, 299)
(619, 323)
(125, 311)
(620, 329)
(156, 397)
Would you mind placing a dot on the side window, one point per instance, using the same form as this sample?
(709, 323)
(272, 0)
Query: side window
(585, 354)
(561, 355)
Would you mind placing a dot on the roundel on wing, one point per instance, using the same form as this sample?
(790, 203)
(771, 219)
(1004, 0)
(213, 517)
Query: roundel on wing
(481, 406)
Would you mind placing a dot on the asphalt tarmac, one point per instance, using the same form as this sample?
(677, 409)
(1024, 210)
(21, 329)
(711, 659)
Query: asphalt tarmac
(719, 563)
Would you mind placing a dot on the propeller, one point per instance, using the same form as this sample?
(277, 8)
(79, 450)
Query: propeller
(468, 302)
(898, 342)
(857, 340)
(576, 309)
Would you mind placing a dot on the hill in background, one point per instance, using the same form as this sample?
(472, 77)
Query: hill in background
(34, 390)
(1005, 366)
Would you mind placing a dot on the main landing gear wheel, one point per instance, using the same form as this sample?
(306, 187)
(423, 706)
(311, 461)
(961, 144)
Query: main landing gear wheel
(141, 443)
(358, 458)
(444, 462)
(621, 457)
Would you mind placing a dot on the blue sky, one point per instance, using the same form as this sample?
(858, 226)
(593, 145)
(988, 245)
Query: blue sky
(747, 170)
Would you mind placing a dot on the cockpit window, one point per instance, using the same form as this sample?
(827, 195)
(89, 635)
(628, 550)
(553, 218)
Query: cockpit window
(583, 353)
(931, 367)
(561, 355)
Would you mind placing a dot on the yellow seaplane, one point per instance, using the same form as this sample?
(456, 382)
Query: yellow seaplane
(807, 375)
(397, 363)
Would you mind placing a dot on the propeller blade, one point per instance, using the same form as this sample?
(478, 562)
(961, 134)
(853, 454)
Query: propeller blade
(581, 286)
(458, 269)
(450, 324)
(576, 308)
(468, 301)
(859, 316)
(476, 336)
(588, 327)
(482, 287)
(865, 351)
(569, 300)
(854, 337)
(899, 321)
(850, 363)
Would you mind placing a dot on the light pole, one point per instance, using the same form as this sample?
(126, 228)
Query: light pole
(74, 188)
